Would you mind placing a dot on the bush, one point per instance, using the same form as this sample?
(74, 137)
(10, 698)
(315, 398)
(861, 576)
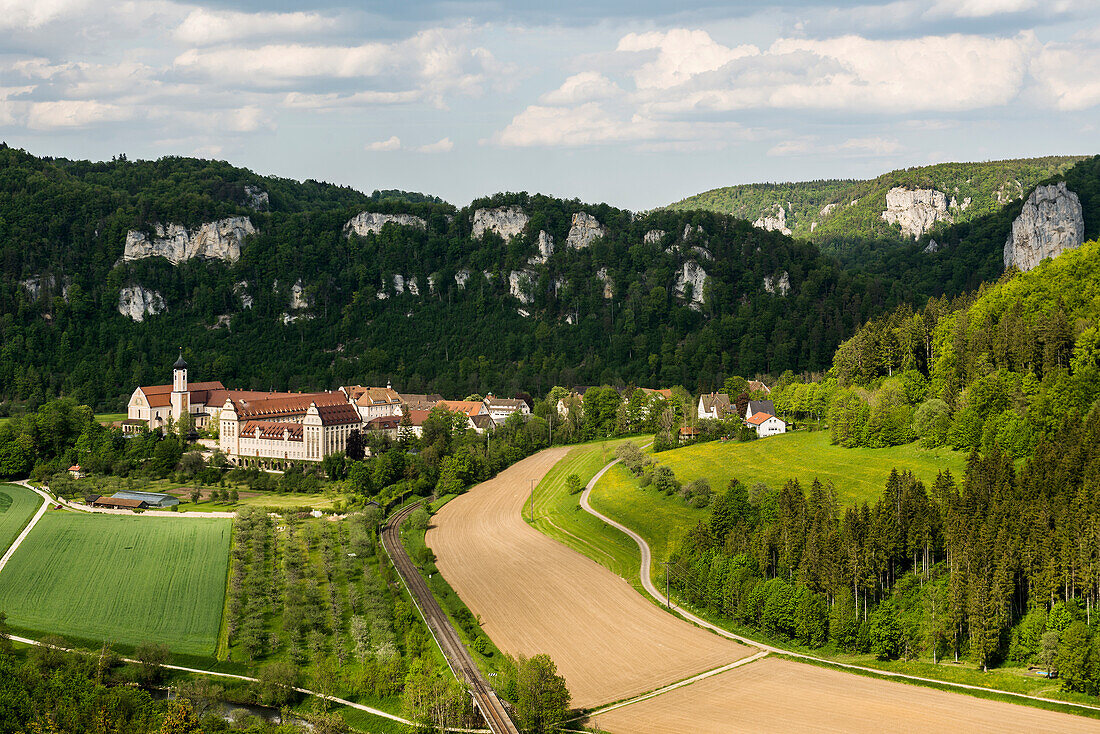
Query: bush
(574, 484)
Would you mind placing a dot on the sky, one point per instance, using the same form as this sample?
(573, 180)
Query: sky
(638, 104)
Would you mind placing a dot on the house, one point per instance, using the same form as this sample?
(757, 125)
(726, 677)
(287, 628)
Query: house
(689, 433)
(573, 399)
(374, 402)
(415, 427)
(419, 401)
(501, 408)
(483, 423)
(386, 425)
(76, 472)
(715, 405)
(759, 387)
(766, 425)
(758, 406)
(469, 408)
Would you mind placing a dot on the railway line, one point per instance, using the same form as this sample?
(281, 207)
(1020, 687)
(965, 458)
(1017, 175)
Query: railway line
(456, 654)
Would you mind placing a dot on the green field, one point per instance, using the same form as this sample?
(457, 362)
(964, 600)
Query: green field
(859, 474)
(17, 507)
(125, 580)
(558, 514)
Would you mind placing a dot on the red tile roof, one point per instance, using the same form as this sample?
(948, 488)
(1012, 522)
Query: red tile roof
(758, 418)
(288, 404)
(469, 407)
(384, 423)
(340, 414)
(272, 430)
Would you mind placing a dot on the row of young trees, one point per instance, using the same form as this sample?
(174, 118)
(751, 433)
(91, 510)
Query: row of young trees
(988, 567)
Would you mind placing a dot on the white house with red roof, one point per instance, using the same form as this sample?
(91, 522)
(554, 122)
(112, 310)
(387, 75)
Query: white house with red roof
(765, 424)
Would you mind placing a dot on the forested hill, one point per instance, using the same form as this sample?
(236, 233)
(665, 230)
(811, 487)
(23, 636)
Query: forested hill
(270, 283)
(841, 215)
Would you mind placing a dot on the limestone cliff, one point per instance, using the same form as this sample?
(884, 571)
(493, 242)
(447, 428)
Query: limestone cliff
(241, 291)
(780, 285)
(461, 277)
(1050, 223)
(137, 302)
(691, 274)
(506, 221)
(45, 285)
(775, 220)
(220, 240)
(583, 229)
(520, 284)
(366, 223)
(653, 236)
(546, 248)
(915, 210)
(608, 289)
(298, 304)
(258, 199)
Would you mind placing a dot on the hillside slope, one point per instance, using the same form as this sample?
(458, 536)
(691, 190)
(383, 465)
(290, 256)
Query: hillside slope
(108, 268)
(834, 214)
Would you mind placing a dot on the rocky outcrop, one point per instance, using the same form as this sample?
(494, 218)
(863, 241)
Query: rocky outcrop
(257, 198)
(137, 302)
(506, 221)
(1050, 223)
(519, 285)
(775, 220)
(45, 285)
(780, 285)
(690, 232)
(241, 291)
(366, 223)
(583, 229)
(653, 236)
(931, 248)
(1009, 191)
(461, 277)
(961, 207)
(298, 304)
(220, 240)
(828, 209)
(692, 274)
(546, 248)
(915, 210)
(608, 289)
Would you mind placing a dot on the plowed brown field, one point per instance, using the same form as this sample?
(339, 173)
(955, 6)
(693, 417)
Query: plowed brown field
(534, 595)
(774, 695)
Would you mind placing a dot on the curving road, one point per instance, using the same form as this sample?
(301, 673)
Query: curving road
(458, 657)
(654, 592)
(30, 525)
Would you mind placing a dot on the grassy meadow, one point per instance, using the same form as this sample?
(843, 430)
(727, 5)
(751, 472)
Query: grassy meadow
(17, 507)
(858, 474)
(558, 514)
(121, 579)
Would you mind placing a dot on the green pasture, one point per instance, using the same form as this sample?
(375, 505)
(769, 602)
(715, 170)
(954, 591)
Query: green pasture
(858, 474)
(121, 579)
(558, 514)
(17, 507)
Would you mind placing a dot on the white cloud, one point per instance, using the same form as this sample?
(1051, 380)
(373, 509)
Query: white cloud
(440, 146)
(203, 27)
(393, 143)
(70, 113)
(875, 145)
(980, 8)
(587, 86)
(31, 14)
(1069, 75)
(796, 146)
(681, 54)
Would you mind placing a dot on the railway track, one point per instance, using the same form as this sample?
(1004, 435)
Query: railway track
(456, 654)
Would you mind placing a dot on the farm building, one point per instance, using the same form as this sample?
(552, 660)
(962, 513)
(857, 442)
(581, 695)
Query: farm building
(151, 499)
(120, 504)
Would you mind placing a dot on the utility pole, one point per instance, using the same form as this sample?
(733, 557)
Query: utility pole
(668, 603)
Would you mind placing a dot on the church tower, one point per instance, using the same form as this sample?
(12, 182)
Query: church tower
(181, 396)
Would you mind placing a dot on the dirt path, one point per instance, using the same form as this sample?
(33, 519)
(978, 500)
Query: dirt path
(786, 686)
(534, 595)
(30, 525)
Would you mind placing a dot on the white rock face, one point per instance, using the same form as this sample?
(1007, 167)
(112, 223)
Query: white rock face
(780, 285)
(1008, 191)
(557, 284)
(828, 209)
(297, 296)
(412, 286)
(608, 289)
(137, 302)
(1050, 223)
(461, 277)
(37, 286)
(506, 221)
(653, 236)
(220, 240)
(523, 312)
(583, 229)
(519, 285)
(915, 210)
(774, 221)
(931, 248)
(433, 282)
(813, 226)
(366, 223)
(961, 207)
(690, 232)
(694, 275)
(546, 248)
(257, 198)
(241, 290)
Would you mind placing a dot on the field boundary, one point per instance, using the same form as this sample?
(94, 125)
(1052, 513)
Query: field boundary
(28, 527)
(655, 593)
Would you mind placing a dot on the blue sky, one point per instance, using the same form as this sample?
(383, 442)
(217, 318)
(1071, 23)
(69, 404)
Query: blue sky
(633, 103)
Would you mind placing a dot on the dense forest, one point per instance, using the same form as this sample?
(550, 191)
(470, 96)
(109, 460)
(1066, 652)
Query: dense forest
(608, 313)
